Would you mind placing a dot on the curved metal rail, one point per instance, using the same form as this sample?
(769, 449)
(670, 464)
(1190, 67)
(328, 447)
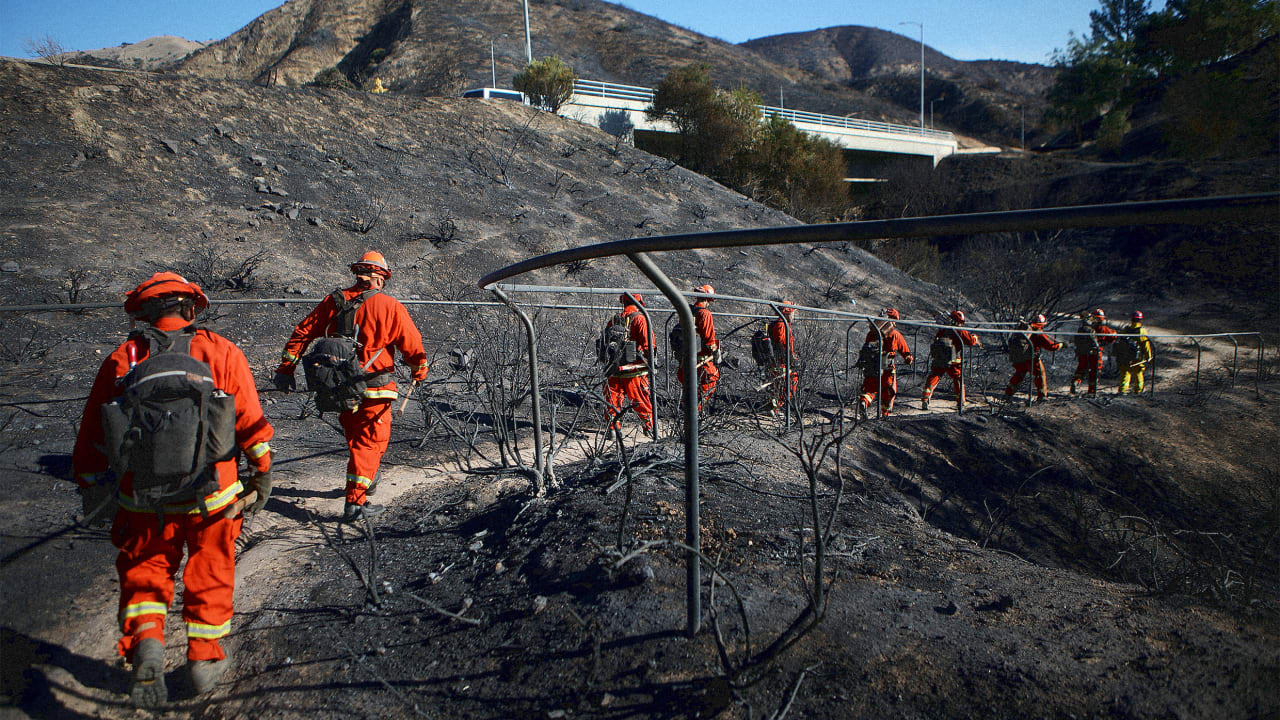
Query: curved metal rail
(1236, 208)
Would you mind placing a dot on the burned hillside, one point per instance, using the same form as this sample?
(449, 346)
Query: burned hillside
(1095, 557)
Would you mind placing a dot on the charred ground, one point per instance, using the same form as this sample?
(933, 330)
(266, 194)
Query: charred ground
(1083, 558)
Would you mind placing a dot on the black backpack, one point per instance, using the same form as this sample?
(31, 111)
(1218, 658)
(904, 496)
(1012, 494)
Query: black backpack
(1127, 349)
(941, 354)
(869, 360)
(675, 340)
(332, 366)
(1087, 344)
(170, 425)
(615, 347)
(762, 348)
(1020, 348)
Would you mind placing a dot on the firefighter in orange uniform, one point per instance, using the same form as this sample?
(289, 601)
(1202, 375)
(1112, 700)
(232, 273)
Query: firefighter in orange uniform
(630, 380)
(893, 345)
(382, 324)
(958, 339)
(151, 542)
(1039, 343)
(783, 341)
(1092, 335)
(708, 346)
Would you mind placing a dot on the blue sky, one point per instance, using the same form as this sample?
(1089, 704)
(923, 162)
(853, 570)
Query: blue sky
(1026, 30)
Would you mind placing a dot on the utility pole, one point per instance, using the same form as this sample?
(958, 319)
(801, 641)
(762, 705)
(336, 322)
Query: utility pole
(529, 41)
(912, 22)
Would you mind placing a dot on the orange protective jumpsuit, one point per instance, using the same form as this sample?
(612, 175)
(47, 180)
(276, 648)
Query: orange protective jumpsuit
(1090, 364)
(894, 346)
(958, 339)
(631, 381)
(708, 374)
(784, 344)
(383, 325)
(1039, 341)
(150, 553)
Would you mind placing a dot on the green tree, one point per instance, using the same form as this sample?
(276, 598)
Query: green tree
(1089, 83)
(797, 173)
(1116, 26)
(548, 83)
(714, 125)
(1190, 34)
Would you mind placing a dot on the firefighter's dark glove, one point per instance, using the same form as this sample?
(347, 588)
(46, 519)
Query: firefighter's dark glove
(260, 482)
(99, 503)
(285, 383)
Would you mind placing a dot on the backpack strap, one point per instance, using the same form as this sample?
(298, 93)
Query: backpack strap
(159, 341)
(343, 323)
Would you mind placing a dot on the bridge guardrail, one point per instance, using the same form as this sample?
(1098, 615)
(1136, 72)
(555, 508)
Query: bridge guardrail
(601, 89)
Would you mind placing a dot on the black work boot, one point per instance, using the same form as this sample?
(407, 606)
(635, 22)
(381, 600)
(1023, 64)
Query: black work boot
(147, 689)
(353, 512)
(205, 674)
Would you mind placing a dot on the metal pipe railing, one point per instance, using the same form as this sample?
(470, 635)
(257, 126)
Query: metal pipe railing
(692, 521)
(534, 392)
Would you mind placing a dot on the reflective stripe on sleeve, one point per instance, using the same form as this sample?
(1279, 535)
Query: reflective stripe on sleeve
(257, 450)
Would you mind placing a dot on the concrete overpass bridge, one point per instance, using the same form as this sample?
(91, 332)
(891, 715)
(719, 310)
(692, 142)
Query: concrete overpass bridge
(619, 110)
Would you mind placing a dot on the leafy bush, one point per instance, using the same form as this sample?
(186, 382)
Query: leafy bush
(332, 77)
(548, 83)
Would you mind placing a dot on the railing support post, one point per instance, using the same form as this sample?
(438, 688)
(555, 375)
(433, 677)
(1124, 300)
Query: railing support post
(535, 393)
(1198, 353)
(692, 536)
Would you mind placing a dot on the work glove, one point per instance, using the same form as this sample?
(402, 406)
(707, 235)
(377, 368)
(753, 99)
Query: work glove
(261, 481)
(285, 382)
(717, 357)
(99, 503)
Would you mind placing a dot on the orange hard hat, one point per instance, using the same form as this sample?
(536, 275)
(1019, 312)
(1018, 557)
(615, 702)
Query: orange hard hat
(1137, 314)
(1098, 314)
(706, 290)
(1038, 322)
(371, 260)
(625, 299)
(162, 285)
(786, 307)
(892, 313)
(958, 316)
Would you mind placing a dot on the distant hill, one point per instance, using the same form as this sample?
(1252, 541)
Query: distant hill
(985, 98)
(439, 46)
(154, 53)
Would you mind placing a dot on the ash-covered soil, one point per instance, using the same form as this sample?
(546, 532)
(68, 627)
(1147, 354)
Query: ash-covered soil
(1084, 558)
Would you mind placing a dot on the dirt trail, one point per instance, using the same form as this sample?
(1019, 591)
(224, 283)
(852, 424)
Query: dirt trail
(273, 545)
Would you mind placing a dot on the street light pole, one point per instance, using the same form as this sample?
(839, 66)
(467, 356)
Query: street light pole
(529, 41)
(912, 22)
(493, 66)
